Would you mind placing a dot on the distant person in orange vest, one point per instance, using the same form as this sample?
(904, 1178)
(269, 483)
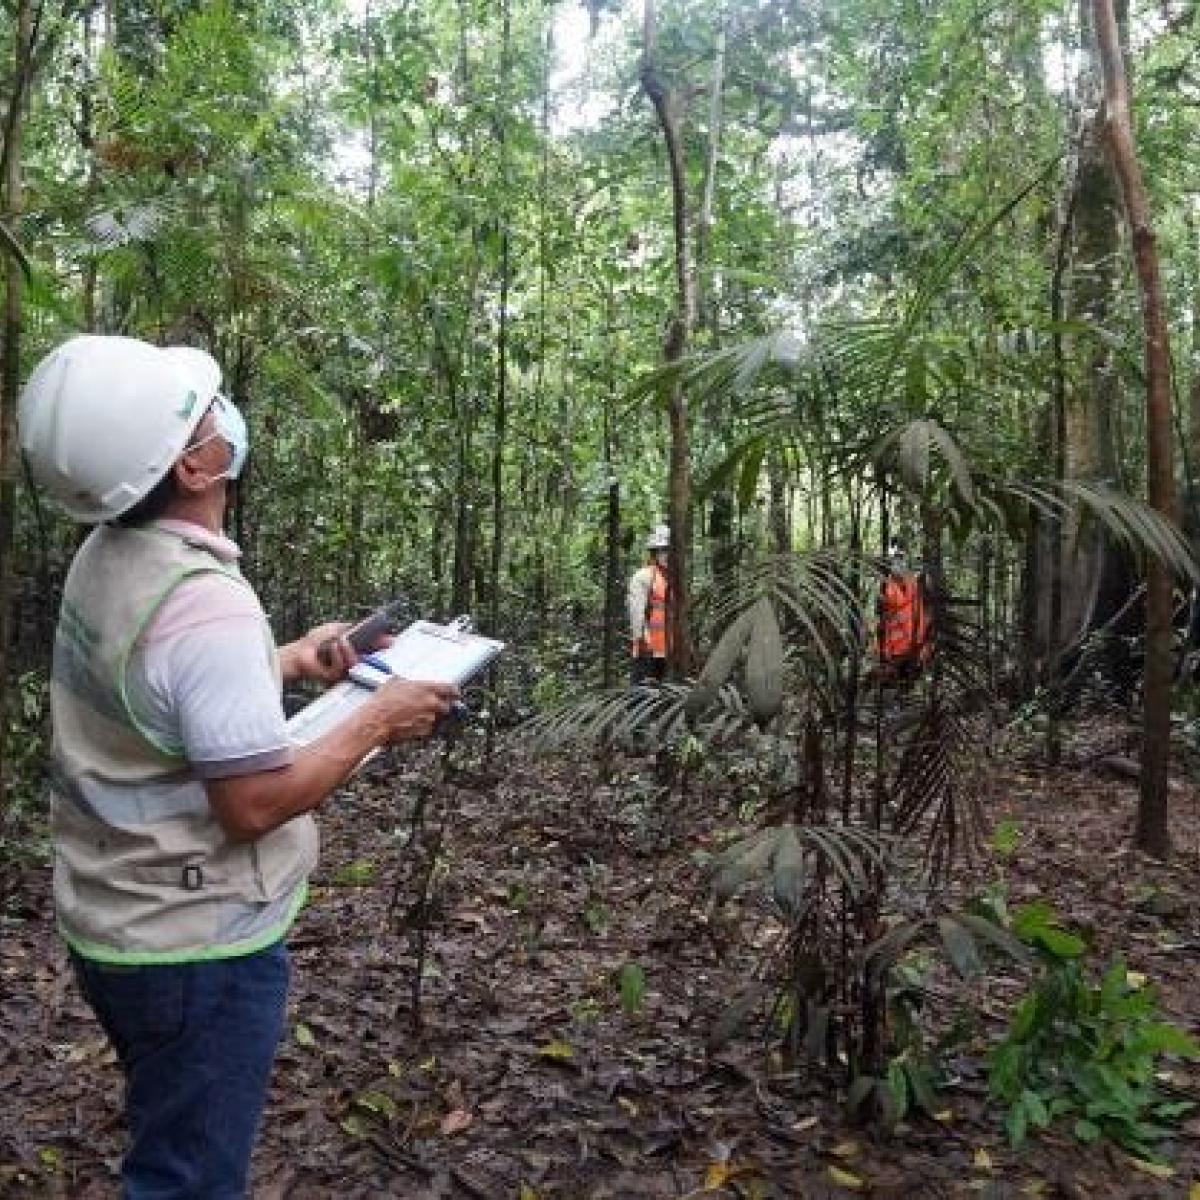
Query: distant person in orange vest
(905, 632)
(648, 600)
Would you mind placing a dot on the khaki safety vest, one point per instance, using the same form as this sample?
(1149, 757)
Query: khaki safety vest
(143, 871)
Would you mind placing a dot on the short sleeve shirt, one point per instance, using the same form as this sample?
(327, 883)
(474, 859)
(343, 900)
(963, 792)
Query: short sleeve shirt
(201, 675)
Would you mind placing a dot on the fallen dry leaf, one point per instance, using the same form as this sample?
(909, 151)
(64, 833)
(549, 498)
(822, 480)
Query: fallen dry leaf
(456, 1121)
(847, 1179)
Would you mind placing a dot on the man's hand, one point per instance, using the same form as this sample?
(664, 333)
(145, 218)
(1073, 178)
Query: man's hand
(410, 708)
(303, 658)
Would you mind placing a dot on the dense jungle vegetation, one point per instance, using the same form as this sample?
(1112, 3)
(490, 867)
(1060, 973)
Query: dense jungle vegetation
(500, 284)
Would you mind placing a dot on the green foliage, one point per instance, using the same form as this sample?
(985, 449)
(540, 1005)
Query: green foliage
(1006, 839)
(1085, 1050)
(631, 980)
(24, 746)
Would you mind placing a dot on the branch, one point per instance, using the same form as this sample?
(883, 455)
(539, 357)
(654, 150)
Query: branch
(8, 241)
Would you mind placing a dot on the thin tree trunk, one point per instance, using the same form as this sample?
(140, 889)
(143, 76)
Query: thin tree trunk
(710, 180)
(500, 424)
(1193, 441)
(679, 642)
(1153, 833)
(10, 208)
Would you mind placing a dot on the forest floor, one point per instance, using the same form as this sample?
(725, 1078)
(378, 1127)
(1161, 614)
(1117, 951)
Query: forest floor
(528, 1077)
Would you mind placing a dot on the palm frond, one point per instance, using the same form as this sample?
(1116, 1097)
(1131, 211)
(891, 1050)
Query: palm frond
(655, 714)
(933, 280)
(124, 225)
(793, 859)
(936, 786)
(1129, 521)
(909, 450)
(964, 936)
(814, 594)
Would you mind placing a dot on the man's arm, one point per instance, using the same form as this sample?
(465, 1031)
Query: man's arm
(302, 658)
(639, 598)
(249, 806)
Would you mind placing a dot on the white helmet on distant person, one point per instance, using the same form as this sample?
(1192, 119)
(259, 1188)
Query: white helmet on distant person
(660, 538)
(102, 419)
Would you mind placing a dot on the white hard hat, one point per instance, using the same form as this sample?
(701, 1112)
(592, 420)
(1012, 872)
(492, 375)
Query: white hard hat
(103, 418)
(660, 539)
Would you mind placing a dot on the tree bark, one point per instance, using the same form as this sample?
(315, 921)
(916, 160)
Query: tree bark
(665, 103)
(10, 209)
(1152, 833)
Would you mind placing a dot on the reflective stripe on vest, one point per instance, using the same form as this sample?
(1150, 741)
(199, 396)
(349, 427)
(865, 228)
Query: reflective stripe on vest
(143, 872)
(655, 636)
(904, 627)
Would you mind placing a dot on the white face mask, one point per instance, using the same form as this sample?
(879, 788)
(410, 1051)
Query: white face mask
(230, 427)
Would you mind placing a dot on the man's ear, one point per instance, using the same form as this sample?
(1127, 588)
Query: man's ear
(189, 478)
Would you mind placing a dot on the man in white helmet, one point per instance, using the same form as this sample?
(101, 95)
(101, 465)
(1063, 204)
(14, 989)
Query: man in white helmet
(181, 812)
(649, 595)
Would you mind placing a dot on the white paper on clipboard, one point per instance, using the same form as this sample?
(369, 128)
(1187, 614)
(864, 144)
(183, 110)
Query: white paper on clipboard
(424, 650)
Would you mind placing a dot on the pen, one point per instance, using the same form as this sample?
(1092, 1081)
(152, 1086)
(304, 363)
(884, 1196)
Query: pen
(458, 710)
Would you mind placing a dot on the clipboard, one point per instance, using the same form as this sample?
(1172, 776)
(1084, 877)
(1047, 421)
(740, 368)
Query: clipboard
(425, 650)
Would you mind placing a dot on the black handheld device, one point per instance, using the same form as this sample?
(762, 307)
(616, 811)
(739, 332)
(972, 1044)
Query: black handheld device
(366, 633)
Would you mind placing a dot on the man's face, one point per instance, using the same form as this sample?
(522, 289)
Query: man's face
(216, 455)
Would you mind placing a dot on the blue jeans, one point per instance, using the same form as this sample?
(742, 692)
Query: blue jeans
(197, 1042)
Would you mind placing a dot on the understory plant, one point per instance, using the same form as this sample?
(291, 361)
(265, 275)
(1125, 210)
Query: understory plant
(1086, 1049)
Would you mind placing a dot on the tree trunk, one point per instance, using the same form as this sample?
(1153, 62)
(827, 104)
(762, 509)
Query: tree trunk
(1192, 461)
(679, 642)
(10, 370)
(1153, 834)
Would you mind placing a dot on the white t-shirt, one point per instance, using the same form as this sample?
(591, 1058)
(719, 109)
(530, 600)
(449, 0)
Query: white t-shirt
(201, 675)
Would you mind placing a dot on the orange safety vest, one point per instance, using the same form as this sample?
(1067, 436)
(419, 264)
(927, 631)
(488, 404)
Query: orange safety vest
(904, 627)
(654, 638)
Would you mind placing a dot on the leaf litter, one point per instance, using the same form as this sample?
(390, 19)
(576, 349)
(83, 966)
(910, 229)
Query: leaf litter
(573, 972)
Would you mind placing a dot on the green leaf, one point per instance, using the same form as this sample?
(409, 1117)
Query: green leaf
(1086, 1131)
(360, 873)
(1170, 1039)
(632, 981)
(897, 1084)
(1016, 1124)
(961, 947)
(1035, 1107)
(995, 934)
(788, 877)
(378, 1102)
(764, 663)
(747, 859)
(752, 460)
(921, 1088)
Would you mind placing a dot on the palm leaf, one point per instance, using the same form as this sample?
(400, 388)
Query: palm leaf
(910, 448)
(619, 716)
(936, 787)
(792, 858)
(1130, 521)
